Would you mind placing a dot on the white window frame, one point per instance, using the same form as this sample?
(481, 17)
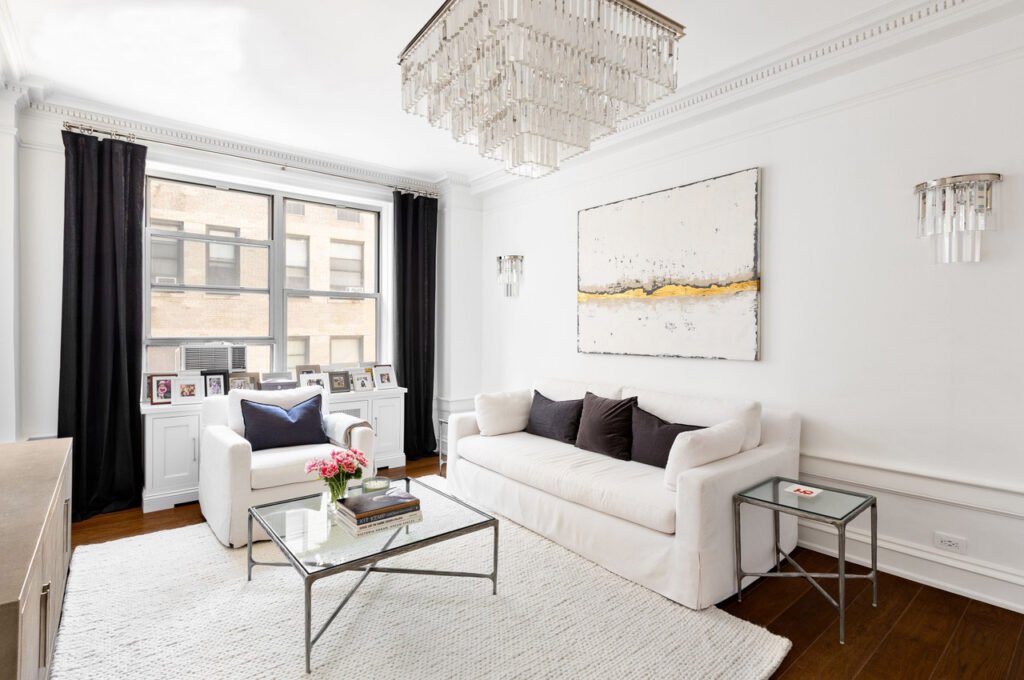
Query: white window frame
(276, 276)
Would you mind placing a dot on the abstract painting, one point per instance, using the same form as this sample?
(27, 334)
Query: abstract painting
(673, 273)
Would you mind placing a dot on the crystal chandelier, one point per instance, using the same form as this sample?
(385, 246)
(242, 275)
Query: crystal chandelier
(954, 211)
(510, 273)
(535, 82)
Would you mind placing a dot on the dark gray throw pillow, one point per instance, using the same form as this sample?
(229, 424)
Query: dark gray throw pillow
(558, 420)
(606, 426)
(653, 437)
(270, 427)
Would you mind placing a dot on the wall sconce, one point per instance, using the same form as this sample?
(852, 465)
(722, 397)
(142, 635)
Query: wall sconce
(510, 272)
(954, 211)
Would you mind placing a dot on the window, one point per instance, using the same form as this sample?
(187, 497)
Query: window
(222, 258)
(346, 266)
(297, 262)
(167, 255)
(221, 268)
(298, 352)
(347, 350)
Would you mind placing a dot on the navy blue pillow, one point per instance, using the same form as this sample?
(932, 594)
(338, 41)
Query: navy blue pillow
(271, 427)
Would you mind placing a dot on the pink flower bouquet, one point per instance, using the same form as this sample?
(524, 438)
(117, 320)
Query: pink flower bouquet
(341, 466)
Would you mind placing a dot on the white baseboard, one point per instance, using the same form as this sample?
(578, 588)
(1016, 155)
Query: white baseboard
(166, 501)
(912, 505)
(390, 460)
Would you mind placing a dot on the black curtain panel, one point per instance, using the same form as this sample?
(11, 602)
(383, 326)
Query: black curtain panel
(101, 321)
(416, 283)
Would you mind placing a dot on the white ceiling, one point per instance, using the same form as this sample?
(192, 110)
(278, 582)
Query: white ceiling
(322, 75)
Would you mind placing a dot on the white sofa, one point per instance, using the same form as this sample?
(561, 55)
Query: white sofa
(620, 514)
(233, 478)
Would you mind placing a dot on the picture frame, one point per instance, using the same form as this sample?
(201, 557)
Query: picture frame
(188, 389)
(243, 381)
(384, 377)
(314, 379)
(161, 387)
(303, 369)
(362, 381)
(340, 381)
(215, 383)
(364, 370)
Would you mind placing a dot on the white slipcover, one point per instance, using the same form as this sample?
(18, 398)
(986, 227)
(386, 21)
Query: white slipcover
(233, 478)
(692, 562)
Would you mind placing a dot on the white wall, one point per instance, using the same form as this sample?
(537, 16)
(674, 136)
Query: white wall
(9, 374)
(894, 362)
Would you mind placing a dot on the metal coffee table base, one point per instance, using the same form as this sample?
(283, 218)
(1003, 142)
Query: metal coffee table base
(841, 575)
(367, 565)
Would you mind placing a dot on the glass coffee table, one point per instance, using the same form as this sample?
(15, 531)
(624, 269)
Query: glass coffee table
(317, 546)
(831, 506)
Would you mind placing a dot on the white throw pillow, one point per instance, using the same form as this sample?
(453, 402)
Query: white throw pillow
(700, 447)
(503, 412)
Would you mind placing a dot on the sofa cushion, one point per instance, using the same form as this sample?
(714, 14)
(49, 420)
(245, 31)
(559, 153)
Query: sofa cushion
(502, 412)
(699, 410)
(606, 426)
(283, 398)
(562, 390)
(630, 491)
(558, 420)
(268, 426)
(653, 437)
(278, 467)
(700, 447)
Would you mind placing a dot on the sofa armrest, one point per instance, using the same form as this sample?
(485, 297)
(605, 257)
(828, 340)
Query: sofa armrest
(460, 425)
(704, 507)
(225, 475)
(361, 435)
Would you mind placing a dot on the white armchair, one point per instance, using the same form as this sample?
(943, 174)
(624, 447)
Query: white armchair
(233, 478)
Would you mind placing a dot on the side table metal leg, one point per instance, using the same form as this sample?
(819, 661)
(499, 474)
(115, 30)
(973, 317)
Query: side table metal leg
(249, 549)
(494, 576)
(842, 583)
(739, 551)
(776, 546)
(874, 554)
(309, 610)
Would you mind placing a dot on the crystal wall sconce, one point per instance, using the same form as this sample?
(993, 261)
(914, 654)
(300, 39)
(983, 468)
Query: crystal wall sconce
(954, 211)
(510, 273)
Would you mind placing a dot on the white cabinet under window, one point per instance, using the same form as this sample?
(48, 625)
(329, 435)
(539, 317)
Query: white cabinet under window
(173, 435)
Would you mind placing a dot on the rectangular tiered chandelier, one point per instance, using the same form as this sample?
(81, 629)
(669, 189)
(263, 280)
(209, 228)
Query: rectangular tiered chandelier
(955, 211)
(535, 82)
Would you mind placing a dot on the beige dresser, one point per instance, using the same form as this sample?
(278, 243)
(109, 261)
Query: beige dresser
(35, 551)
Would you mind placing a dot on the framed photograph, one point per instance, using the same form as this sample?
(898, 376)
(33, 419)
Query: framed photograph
(384, 376)
(364, 371)
(314, 379)
(216, 383)
(160, 388)
(341, 381)
(243, 381)
(362, 382)
(187, 390)
(303, 369)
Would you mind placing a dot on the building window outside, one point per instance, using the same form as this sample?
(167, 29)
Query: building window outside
(212, 282)
(222, 268)
(347, 351)
(346, 266)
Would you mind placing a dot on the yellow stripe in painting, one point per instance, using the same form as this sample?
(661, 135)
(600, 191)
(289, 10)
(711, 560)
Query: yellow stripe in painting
(674, 290)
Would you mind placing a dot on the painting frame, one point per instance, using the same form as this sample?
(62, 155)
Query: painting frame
(163, 378)
(179, 389)
(384, 377)
(340, 381)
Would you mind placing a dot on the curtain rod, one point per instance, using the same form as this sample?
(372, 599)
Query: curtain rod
(72, 126)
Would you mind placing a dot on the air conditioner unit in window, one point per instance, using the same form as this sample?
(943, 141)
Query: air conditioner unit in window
(212, 356)
(165, 280)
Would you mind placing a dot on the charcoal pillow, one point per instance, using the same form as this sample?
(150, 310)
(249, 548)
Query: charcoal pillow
(653, 437)
(558, 420)
(606, 426)
(269, 427)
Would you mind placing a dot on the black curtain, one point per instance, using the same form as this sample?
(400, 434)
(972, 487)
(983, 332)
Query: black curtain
(101, 321)
(416, 283)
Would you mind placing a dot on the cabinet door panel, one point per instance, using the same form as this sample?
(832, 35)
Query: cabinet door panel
(29, 630)
(359, 409)
(388, 419)
(175, 455)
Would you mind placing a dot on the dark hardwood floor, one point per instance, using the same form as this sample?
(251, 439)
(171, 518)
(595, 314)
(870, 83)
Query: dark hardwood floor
(916, 631)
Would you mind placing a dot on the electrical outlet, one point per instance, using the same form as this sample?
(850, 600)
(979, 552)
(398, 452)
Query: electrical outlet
(944, 541)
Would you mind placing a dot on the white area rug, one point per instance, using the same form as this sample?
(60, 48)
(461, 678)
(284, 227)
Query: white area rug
(175, 604)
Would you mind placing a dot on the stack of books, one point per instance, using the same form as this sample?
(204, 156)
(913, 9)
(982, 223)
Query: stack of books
(378, 511)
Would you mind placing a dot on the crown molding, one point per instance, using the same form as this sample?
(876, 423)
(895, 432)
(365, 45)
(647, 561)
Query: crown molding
(851, 45)
(176, 134)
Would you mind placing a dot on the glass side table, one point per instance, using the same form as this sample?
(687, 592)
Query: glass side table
(831, 506)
